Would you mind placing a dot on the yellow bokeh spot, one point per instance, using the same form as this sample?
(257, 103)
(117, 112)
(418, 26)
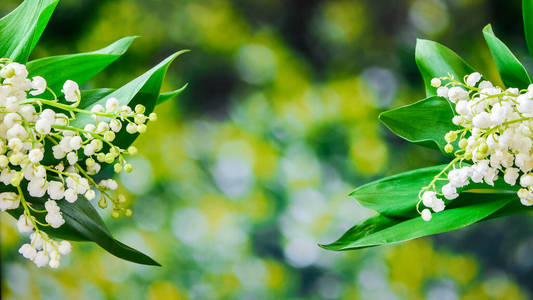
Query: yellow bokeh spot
(276, 277)
(348, 17)
(230, 282)
(257, 206)
(164, 290)
(9, 233)
(369, 155)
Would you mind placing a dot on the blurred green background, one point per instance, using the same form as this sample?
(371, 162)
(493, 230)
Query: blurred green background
(250, 168)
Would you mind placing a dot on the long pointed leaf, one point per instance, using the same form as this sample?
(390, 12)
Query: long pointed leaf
(90, 97)
(424, 122)
(142, 90)
(83, 223)
(78, 67)
(396, 196)
(436, 60)
(512, 72)
(21, 29)
(163, 97)
(382, 230)
(527, 15)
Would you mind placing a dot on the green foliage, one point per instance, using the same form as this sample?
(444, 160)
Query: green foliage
(382, 230)
(21, 29)
(426, 122)
(435, 60)
(163, 97)
(77, 67)
(512, 72)
(527, 12)
(83, 223)
(395, 196)
(142, 90)
(19, 32)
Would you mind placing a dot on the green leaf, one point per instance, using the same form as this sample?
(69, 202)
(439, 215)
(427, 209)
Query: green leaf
(163, 97)
(512, 72)
(527, 14)
(396, 196)
(83, 223)
(142, 90)
(77, 67)
(381, 230)
(90, 97)
(424, 122)
(436, 60)
(21, 29)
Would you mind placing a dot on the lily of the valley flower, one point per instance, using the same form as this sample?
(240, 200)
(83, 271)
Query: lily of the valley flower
(496, 135)
(33, 129)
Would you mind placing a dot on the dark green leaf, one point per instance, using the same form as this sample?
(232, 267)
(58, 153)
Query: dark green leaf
(90, 97)
(382, 230)
(436, 60)
(83, 223)
(424, 122)
(511, 208)
(21, 29)
(77, 67)
(142, 90)
(396, 196)
(512, 72)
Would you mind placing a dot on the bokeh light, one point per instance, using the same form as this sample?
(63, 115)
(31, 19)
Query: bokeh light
(250, 168)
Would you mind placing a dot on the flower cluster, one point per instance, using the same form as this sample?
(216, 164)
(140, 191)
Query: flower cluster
(495, 137)
(44, 155)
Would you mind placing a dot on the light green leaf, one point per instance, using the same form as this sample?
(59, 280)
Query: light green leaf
(396, 196)
(436, 60)
(83, 223)
(381, 230)
(163, 97)
(77, 67)
(512, 72)
(527, 14)
(142, 90)
(90, 97)
(424, 122)
(21, 29)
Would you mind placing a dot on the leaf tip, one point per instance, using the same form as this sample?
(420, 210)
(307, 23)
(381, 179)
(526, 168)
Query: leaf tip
(182, 52)
(332, 247)
(488, 29)
(422, 42)
(383, 116)
(174, 55)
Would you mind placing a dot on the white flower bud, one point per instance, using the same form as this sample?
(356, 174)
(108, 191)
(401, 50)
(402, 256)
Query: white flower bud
(64, 247)
(24, 224)
(75, 142)
(426, 215)
(71, 91)
(41, 259)
(38, 84)
(36, 155)
(473, 79)
(112, 105)
(435, 82)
